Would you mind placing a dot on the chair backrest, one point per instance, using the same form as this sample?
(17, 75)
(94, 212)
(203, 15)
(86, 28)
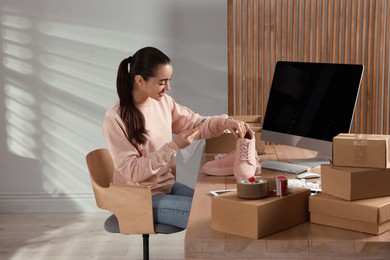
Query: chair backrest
(131, 204)
(100, 167)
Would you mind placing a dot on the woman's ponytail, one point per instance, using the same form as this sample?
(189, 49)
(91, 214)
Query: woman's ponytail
(130, 114)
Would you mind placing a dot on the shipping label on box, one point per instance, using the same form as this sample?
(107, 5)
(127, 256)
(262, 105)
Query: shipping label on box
(226, 142)
(360, 150)
(261, 217)
(369, 216)
(354, 183)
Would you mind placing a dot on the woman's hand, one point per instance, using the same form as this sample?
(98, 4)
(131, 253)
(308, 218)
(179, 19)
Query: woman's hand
(237, 128)
(186, 137)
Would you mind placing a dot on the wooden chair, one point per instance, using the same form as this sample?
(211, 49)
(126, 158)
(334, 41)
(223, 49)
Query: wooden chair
(131, 205)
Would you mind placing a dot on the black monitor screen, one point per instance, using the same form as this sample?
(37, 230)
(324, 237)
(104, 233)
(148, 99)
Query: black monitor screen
(314, 100)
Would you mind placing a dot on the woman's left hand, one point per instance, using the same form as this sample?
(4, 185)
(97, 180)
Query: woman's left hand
(237, 128)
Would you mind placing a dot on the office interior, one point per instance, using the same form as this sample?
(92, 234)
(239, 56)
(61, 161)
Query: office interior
(60, 58)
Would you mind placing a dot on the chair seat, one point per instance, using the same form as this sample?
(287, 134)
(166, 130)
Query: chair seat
(111, 225)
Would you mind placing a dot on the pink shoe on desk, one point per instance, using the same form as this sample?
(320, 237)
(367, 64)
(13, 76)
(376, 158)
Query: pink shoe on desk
(222, 166)
(246, 163)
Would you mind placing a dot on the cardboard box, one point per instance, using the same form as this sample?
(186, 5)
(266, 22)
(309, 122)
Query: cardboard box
(259, 218)
(352, 183)
(358, 150)
(369, 216)
(226, 142)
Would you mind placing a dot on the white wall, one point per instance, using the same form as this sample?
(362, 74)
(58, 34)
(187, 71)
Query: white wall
(58, 71)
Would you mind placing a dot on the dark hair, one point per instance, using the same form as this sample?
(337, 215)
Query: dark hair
(144, 62)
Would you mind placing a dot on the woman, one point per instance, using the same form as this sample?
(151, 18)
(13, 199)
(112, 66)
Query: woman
(138, 132)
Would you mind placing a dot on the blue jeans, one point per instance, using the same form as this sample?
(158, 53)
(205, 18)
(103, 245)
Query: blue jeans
(173, 208)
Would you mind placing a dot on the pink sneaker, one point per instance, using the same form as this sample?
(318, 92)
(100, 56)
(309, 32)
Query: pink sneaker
(246, 164)
(223, 166)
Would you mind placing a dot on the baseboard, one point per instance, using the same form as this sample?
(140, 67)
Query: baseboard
(39, 203)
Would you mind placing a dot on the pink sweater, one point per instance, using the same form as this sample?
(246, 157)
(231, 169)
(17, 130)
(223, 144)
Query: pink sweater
(151, 165)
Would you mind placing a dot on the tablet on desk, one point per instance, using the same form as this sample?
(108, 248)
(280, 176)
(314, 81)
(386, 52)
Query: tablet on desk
(219, 192)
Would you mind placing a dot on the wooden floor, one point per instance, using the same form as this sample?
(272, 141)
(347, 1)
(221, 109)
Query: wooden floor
(77, 236)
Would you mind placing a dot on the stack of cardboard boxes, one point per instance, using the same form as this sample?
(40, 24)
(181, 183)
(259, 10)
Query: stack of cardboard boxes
(356, 188)
(355, 195)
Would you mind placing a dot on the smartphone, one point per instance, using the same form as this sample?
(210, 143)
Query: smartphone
(219, 192)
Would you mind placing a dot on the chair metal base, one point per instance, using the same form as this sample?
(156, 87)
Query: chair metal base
(145, 238)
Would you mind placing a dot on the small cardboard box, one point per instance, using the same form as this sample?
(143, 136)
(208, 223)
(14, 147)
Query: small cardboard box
(369, 216)
(352, 183)
(226, 142)
(259, 218)
(360, 150)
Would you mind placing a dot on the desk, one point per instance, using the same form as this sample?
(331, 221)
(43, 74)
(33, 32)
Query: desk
(304, 241)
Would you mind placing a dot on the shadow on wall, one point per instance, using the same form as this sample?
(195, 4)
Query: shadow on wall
(54, 100)
(19, 121)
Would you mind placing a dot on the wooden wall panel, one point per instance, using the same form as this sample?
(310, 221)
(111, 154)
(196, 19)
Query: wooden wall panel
(261, 32)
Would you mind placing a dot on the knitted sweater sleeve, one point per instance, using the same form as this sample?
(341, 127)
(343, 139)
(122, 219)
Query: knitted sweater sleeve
(128, 162)
(184, 118)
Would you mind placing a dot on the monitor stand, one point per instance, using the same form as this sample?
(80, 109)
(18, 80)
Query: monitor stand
(312, 162)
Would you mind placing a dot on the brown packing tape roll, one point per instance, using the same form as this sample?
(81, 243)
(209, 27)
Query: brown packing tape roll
(252, 190)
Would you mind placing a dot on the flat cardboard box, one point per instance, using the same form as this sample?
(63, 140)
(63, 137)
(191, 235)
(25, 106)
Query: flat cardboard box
(352, 183)
(226, 142)
(368, 216)
(361, 150)
(261, 217)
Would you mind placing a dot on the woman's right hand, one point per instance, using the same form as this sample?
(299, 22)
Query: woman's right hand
(185, 138)
(237, 128)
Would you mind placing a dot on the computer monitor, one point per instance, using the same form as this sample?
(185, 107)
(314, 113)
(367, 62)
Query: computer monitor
(310, 103)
